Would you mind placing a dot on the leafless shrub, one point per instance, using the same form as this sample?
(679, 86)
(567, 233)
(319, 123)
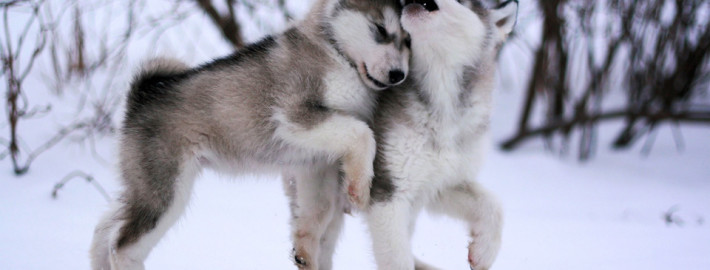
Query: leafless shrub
(78, 58)
(16, 71)
(42, 35)
(656, 52)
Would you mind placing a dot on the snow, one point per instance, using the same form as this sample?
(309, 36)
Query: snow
(607, 213)
(560, 214)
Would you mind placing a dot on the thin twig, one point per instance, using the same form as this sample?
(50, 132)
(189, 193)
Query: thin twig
(83, 175)
(693, 117)
(678, 137)
(650, 139)
(63, 133)
(39, 47)
(36, 112)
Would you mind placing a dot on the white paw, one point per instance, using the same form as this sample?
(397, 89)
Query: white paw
(359, 191)
(481, 255)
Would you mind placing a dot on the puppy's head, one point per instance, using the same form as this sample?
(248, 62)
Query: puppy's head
(457, 28)
(369, 33)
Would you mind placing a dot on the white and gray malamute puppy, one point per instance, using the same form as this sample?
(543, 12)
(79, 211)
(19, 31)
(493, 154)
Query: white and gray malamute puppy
(299, 99)
(431, 135)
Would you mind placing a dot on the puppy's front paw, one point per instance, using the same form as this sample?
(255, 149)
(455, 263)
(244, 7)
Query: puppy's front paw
(359, 193)
(481, 256)
(359, 171)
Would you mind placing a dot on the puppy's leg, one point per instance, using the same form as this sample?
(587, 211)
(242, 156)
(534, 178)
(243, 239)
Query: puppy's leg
(338, 136)
(390, 228)
(288, 177)
(316, 194)
(100, 252)
(473, 204)
(330, 238)
(157, 191)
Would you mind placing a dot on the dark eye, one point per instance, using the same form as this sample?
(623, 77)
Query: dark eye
(382, 31)
(408, 42)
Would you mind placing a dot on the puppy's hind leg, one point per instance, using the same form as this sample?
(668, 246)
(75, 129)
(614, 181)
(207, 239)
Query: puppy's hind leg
(157, 192)
(314, 196)
(100, 252)
(330, 237)
(473, 204)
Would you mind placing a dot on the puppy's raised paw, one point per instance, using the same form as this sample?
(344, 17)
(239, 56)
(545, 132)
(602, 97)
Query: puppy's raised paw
(359, 193)
(480, 256)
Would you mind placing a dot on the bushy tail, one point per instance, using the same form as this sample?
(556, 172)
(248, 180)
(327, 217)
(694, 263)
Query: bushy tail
(157, 70)
(154, 82)
(162, 66)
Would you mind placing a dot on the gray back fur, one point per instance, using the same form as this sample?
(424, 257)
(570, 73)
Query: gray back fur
(223, 113)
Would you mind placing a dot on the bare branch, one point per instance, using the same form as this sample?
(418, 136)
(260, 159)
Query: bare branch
(678, 137)
(8, 3)
(83, 175)
(23, 35)
(37, 111)
(692, 117)
(228, 25)
(284, 9)
(5, 143)
(8, 39)
(63, 133)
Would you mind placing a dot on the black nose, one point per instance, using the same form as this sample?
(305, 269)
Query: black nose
(396, 76)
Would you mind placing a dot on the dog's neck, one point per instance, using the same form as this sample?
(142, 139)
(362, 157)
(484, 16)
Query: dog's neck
(440, 83)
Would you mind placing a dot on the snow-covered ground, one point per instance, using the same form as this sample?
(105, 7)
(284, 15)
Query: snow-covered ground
(559, 214)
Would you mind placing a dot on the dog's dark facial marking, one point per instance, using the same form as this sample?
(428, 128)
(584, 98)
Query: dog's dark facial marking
(381, 34)
(408, 42)
(429, 5)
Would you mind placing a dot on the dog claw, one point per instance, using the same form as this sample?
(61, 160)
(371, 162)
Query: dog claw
(299, 260)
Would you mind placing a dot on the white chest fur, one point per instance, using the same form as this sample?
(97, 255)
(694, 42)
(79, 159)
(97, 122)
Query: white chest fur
(344, 91)
(436, 148)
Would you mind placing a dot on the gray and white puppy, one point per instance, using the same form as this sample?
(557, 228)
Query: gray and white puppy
(431, 135)
(296, 100)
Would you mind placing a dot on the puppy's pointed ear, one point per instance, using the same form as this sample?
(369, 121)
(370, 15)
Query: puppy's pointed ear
(504, 17)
